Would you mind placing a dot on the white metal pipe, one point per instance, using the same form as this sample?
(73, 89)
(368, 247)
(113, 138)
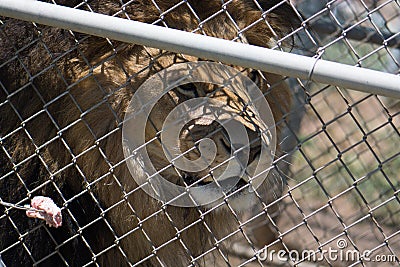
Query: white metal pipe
(205, 47)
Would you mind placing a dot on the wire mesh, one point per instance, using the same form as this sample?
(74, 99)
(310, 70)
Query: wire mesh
(334, 182)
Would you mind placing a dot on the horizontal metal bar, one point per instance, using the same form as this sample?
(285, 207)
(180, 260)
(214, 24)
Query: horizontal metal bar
(205, 47)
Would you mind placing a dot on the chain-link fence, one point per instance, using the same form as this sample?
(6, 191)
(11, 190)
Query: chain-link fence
(71, 113)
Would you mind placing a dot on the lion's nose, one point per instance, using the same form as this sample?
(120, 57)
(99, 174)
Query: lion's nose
(250, 150)
(231, 159)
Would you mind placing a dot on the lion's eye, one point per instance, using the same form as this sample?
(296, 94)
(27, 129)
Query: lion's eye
(255, 77)
(188, 90)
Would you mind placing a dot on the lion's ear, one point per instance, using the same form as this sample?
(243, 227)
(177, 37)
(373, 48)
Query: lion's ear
(267, 4)
(283, 9)
(280, 20)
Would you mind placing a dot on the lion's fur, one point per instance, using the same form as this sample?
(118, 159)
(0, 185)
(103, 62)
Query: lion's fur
(81, 92)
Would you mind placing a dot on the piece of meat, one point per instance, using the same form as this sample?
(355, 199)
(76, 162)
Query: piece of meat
(44, 208)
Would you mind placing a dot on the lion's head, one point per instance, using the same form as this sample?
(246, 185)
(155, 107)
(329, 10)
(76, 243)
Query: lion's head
(203, 132)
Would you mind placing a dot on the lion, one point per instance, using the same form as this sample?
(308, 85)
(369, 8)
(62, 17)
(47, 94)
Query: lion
(63, 97)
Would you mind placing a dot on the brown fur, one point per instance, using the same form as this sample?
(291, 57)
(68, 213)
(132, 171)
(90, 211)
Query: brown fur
(82, 91)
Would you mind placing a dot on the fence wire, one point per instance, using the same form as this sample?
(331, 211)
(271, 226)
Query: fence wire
(334, 182)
